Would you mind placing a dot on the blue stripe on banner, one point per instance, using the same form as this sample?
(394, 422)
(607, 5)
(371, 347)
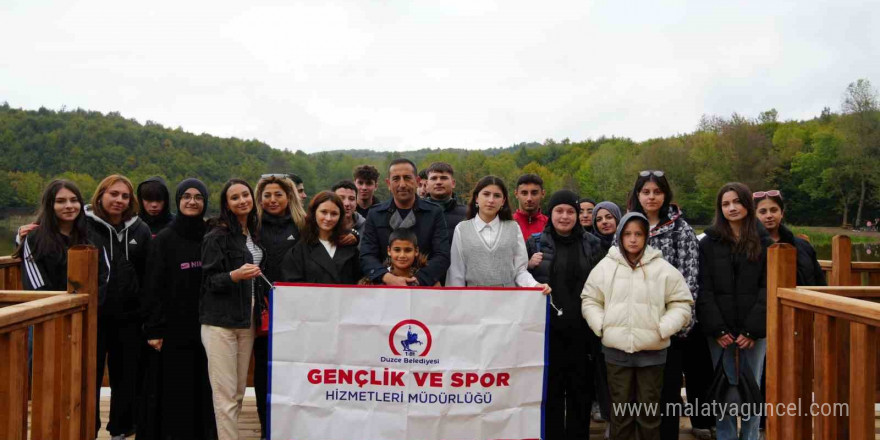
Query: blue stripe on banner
(269, 374)
(546, 366)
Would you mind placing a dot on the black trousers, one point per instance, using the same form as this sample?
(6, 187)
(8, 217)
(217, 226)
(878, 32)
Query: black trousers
(261, 371)
(600, 378)
(690, 357)
(569, 382)
(119, 344)
(644, 383)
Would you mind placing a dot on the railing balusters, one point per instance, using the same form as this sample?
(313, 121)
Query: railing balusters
(13, 384)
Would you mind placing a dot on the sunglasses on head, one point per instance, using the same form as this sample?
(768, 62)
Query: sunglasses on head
(277, 176)
(762, 194)
(656, 173)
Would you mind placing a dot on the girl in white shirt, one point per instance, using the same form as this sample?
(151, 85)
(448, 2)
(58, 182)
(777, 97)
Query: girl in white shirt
(487, 248)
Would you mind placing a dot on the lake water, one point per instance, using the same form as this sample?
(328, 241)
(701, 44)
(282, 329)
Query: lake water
(860, 252)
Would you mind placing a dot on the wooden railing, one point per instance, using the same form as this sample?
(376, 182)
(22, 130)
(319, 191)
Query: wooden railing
(64, 353)
(822, 349)
(840, 270)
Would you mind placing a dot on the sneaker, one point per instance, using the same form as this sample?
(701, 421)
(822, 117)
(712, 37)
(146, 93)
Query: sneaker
(607, 432)
(702, 433)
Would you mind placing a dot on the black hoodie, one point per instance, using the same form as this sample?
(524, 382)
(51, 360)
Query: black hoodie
(155, 222)
(124, 249)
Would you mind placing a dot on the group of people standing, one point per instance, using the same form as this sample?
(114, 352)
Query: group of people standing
(638, 302)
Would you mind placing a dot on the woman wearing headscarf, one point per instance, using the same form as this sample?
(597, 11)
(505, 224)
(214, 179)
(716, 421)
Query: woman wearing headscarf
(180, 386)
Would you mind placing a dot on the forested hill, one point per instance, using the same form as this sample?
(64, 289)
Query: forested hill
(825, 166)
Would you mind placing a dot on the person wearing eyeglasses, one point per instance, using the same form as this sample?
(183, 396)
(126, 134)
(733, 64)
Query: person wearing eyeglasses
(181, 404)
(675, 239)
(732, 299)
(771, 211)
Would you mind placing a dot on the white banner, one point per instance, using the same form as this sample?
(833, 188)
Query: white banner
(389, 363)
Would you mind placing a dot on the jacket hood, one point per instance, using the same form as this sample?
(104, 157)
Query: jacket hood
(669, 225)
(648, 256)
(120, 235)
(165, 215)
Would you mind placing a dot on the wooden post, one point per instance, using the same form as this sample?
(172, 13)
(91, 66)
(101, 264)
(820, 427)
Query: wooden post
(45, 408)
(826, 387)
(13, 384)
(863, 375)
(82, 277)
(781, 273)
(841, 261)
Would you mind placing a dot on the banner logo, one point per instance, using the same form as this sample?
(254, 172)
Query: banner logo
(411, 337)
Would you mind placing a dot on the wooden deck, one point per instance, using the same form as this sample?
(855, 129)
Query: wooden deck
(249, 427)
(250, 424)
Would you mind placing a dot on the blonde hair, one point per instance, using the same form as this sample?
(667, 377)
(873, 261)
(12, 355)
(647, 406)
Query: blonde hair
(109, 181)
(297, 213)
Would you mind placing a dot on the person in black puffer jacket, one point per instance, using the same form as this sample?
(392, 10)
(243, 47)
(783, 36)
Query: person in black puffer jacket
(179, 404)
(732, 300)
(155, 204)
(771, 210)
(563, 255)
(124, 240)
(231, 300)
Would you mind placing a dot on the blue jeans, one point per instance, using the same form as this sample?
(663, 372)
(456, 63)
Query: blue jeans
(753, 359)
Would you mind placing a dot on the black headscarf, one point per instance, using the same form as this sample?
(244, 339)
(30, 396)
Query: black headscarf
(193, 228)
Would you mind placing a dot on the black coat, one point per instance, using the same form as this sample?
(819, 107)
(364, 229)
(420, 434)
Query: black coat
(733, 290)
(591, 252)
(177, 391)
(223, 302)
(453, 211)
(278, 235)
(310, 263)
(124, 251)
(173, 286)
(809, 273)
(430, 230)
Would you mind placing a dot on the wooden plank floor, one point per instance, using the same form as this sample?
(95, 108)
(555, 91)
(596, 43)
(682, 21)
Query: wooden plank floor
(250, 424)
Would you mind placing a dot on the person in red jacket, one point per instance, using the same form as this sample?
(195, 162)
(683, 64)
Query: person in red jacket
(529, 194)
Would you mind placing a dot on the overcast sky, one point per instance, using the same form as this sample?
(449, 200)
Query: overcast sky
(397, 75)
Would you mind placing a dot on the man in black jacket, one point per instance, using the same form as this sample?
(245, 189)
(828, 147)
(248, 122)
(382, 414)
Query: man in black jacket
(441, 182)
(405, 210)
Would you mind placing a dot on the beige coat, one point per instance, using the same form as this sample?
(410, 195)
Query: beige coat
(636, 309)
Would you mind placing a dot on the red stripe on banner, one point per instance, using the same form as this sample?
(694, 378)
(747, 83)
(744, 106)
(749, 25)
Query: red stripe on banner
(380, 286)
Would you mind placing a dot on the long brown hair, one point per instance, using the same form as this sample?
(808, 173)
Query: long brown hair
(47, 239)
(109, 181)
(312, 230)
(749, 242)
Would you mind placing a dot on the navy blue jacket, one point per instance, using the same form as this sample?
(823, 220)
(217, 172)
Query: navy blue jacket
(430, 230)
